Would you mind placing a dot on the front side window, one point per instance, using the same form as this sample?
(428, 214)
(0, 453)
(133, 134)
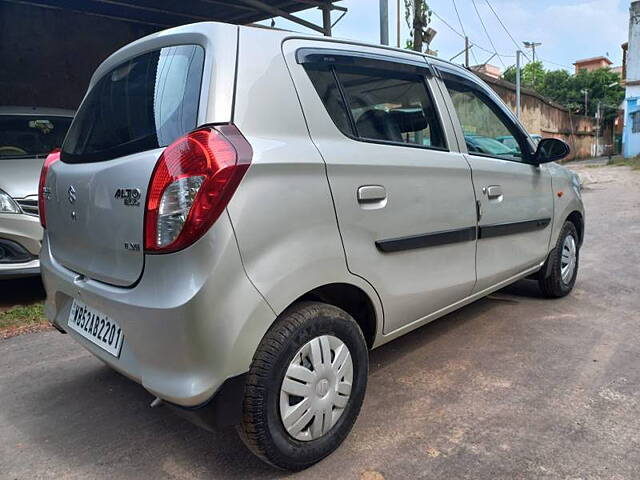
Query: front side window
(31, 136)
(379, 105)
(145, 103)
(486, 131)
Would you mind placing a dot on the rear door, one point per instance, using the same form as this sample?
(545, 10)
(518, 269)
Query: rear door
(95, 211)
(515, 197)
(404, 200)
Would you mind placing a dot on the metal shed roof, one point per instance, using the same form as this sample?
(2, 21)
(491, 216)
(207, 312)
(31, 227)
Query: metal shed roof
(169, 13)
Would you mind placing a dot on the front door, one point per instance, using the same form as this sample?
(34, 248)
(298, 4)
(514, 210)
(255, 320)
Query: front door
(515, 197)
(404, 203)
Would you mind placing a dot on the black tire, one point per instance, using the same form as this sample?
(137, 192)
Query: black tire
(261, 427)
(550, 276)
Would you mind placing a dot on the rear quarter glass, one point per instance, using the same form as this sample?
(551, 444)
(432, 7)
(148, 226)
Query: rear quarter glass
(144, 103)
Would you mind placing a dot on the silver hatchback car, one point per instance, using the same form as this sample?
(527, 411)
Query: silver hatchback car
(239, 214)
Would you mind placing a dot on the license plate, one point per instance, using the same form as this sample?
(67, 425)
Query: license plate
(96, 327)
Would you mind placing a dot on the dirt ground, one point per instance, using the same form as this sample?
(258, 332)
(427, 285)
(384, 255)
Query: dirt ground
(513, 386)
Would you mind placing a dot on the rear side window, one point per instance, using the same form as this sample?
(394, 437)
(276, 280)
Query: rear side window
(379, 105)
(145, 103)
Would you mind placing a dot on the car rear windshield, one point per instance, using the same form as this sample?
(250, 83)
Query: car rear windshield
(145, 103)
(31, 136)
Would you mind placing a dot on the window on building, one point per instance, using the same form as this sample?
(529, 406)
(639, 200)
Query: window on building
(635, 122)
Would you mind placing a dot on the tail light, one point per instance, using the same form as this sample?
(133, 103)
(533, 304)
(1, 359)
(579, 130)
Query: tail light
(43, 192)
(191, 185)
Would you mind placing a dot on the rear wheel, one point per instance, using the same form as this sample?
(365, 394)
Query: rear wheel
(559, 273)
(305, 386)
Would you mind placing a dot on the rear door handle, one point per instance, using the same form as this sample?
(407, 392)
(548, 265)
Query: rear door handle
(494, 191)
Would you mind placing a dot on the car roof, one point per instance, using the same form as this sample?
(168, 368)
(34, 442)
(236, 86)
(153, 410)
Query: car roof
(52, 112)
(278, 35)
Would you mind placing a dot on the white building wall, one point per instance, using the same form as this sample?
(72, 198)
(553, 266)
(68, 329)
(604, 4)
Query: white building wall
(631, 138)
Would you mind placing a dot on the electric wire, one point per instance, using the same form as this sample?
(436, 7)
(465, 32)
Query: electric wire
(457, 32)
(463, 30)
(487, 32)
(517, 45)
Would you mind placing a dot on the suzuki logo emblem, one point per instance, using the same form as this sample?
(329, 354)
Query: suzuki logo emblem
(71, 193)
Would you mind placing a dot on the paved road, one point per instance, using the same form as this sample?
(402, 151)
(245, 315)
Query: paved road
(513, 386)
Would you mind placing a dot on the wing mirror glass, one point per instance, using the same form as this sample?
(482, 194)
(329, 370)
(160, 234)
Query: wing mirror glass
(551, 150)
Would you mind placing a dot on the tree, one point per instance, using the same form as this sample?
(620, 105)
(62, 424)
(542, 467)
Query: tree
(603, 87)
(417, 14)
(527, 74)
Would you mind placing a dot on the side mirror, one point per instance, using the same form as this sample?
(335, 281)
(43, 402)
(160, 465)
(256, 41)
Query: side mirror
(550, 150)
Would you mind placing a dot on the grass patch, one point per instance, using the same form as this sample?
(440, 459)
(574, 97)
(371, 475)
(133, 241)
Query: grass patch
(22, 315)
(634, 162)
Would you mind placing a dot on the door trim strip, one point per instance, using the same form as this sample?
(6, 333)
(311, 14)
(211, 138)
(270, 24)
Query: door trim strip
(466, 234)
(511, 228)
(423, 240)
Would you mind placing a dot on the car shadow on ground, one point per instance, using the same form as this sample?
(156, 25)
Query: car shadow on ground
(87, 414)
(20, 291)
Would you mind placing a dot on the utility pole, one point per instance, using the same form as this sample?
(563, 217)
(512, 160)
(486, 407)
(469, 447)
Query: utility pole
(518, 86)
(586, 101)
(598, 129)
(532, 46)
(466, 52)
(398, 23)
(384, 22)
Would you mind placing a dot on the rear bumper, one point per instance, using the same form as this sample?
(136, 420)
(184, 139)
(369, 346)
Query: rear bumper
(222, 410)
(191, 322)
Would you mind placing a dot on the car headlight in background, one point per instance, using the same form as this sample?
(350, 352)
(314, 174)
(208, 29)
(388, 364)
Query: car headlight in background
(7, 204)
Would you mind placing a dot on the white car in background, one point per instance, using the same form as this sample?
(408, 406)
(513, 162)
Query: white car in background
(27, 135)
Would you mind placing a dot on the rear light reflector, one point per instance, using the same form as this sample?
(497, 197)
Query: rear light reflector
(191, 185)
(43, 190)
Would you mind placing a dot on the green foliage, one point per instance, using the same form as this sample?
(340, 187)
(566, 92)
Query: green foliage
(22, 315)
(532, 75)
(634, 162)
(603, 87)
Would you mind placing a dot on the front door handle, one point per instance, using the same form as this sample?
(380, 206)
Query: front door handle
(371, 197)
(494, 191)
(371, 193)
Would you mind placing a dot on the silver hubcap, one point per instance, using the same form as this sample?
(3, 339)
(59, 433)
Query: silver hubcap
(316, 388)
(568, 260)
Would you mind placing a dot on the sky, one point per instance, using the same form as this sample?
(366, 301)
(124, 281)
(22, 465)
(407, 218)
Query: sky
(568, 30)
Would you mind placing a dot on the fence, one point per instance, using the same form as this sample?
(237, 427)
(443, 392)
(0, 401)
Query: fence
(546, 118)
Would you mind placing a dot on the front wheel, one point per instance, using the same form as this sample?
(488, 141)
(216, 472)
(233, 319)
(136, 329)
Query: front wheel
(305, 386)
(558, 275)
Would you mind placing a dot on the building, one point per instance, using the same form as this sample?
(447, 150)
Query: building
(487, 69)
(591, 64)
(631, 133)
